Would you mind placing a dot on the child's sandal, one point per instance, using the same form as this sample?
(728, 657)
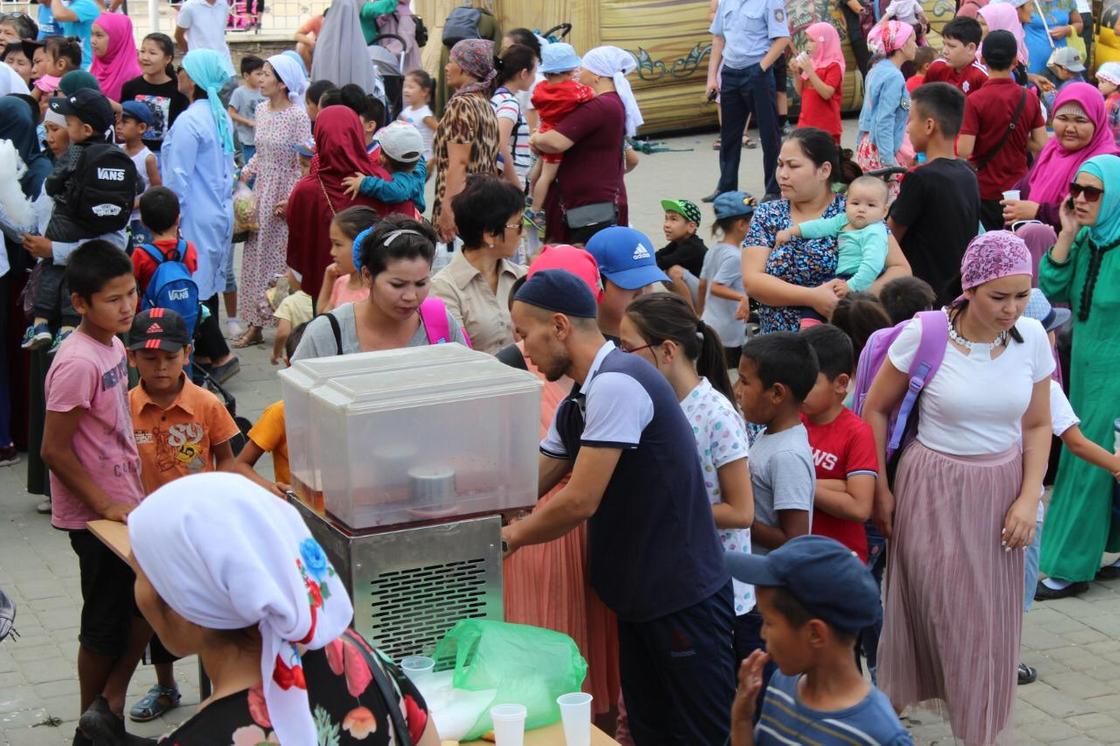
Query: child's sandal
(155, 703)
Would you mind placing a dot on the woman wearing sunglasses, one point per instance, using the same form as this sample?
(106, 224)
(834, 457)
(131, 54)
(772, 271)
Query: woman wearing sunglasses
(1083, 270)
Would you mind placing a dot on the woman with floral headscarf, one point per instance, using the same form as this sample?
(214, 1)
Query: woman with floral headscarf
(963, 503)
(281, 123)
(819, 78)
(467, 138)
(259, 602)
(886, 102)
(1083, 270)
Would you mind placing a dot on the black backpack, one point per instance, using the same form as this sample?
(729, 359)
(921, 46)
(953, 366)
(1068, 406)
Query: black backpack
(421, 31)
(462, 23)
(102, 189)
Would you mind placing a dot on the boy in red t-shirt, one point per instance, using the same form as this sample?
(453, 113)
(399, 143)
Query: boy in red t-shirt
(159, 212)
(958, 65)
(923, 58)
(843, 445)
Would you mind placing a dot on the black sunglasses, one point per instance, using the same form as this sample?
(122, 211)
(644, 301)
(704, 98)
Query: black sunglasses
(1092, 193)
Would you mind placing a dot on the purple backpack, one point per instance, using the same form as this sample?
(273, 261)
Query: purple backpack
(927, 359)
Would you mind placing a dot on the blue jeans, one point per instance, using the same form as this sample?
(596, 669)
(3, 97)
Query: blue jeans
(876, 563)
(247, 153)
(227, 267)
(742, 92)
(1030, 566)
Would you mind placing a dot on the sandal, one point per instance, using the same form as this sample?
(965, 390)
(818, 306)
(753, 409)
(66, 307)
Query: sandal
(748, 143)
(156, 702)
(715, 144)
(253, 336)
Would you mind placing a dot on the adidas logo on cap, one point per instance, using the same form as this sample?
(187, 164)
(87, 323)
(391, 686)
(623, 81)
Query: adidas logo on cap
(155, 329)
(641, 253)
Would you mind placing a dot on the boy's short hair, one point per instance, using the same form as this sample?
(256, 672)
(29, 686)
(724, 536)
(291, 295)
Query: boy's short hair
(1000, 49)
(924, 56)
(964, 29)
(370, 108)
(159, 209)
(798, 616)
(250, 63)
(905, 296)
(67, 48)
(785, 358)
(316, 90)
(331, 97)
(943, 103)
(871, 182)
(92, 265)
(835, 356)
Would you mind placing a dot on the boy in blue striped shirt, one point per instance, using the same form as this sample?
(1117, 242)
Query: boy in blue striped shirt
(815, 596)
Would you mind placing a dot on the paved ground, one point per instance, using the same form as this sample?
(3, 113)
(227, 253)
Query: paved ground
(1075, 643)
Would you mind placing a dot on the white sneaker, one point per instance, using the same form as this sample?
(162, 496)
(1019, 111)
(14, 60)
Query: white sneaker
(234, 328)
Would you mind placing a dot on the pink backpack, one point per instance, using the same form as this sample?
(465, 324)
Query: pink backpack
(902, 424)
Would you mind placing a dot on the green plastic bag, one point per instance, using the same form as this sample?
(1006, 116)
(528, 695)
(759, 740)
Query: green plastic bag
(527, 665)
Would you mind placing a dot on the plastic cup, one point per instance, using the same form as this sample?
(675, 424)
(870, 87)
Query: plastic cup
(417, 668)
(509, 724)
(575, 714)
(1011, 195)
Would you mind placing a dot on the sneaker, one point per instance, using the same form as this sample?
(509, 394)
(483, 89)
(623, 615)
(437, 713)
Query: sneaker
(225, 371)
(44, 508)
(58, 340)
(36, 337)
(9, 456)
(234, 328)
(1027, 674)
(1045, 593)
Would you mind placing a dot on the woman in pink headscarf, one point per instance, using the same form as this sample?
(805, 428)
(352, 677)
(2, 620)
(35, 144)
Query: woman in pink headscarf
(822, 67)
(114, 53)
(886, 102)
(1080, 132)
(1003, 17)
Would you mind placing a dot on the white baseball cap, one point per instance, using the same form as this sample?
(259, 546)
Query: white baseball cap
(402, 142)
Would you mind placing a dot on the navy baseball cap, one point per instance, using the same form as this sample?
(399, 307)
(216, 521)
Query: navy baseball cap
(734, 205)
(625, 257)
(139, 111)
(825, 577)
(158, 329)
(560, 291)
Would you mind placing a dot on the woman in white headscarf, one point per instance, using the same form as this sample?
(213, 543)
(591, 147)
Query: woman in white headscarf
(592, 139)
(281, 123)
(256, 598)
(341, 54)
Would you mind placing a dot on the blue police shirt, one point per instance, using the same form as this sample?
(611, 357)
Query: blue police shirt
(653, 548)
(748, 27)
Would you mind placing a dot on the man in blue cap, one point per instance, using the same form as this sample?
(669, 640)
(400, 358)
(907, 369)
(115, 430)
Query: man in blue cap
(815, 597)
(654, 557)
(627, 264)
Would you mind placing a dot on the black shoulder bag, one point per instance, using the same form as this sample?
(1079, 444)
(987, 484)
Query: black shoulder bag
(982, 162)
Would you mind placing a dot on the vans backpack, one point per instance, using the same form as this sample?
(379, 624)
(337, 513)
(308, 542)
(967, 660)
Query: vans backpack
(102, 189)
(902, 423)
(171, 286)
(462, 23)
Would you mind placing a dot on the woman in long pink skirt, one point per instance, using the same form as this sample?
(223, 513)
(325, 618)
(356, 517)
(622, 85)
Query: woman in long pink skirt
(965, 495)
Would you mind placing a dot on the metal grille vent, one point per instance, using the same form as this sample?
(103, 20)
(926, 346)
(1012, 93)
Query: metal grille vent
(416, 606)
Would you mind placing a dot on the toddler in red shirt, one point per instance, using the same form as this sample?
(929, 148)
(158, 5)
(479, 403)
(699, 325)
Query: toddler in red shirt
(843, 445)
(554, 98)
(819, 78)
(923, 58)
(159, 212)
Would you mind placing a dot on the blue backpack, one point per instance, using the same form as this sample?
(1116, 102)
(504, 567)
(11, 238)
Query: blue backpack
(171, 286)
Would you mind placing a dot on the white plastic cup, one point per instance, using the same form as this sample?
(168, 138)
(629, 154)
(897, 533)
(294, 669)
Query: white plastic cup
(575, 714)
(417, 668)
(1011, 195)
(509, 724)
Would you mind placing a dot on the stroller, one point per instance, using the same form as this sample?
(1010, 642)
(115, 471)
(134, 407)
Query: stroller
(390, 66)
(203, 378)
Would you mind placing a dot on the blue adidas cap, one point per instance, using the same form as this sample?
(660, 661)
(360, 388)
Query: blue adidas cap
(625, 257)
(825, 577)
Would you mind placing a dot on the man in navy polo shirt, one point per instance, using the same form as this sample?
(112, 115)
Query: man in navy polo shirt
(653, 553)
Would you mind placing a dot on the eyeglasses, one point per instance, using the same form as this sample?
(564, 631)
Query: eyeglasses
(520, 226)
(632, 350)
(1092, 193)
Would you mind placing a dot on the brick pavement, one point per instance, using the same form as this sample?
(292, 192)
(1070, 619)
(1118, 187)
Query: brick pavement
(1075, 643)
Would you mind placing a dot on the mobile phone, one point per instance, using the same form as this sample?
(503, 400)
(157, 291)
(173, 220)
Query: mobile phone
(712, 95)
(1069, 203)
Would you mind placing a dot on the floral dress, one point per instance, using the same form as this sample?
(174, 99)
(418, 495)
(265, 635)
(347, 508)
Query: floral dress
(799, 261)
(468, 118)
(345, 701)
(276, 169)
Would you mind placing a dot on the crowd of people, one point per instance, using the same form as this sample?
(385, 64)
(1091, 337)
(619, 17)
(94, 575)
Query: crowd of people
(810, 447)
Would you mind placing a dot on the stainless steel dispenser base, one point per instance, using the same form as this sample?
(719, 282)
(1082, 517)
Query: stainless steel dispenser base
(410, 586)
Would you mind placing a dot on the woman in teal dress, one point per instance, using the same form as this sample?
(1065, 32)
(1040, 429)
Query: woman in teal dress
(1083, 270)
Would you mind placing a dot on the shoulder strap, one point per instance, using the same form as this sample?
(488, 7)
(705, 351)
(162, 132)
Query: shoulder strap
(982, 162)
(401, 734)
(433, 314)
(155, 254)
(927, 360)
(336, 329)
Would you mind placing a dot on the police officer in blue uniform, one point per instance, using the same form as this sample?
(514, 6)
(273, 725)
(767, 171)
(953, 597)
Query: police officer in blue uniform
(653, 554)
(748, 37)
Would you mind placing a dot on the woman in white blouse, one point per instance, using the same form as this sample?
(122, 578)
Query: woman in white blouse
(965, 496)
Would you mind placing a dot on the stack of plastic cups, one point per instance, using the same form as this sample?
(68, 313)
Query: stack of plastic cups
(575, 714)
(509, 724)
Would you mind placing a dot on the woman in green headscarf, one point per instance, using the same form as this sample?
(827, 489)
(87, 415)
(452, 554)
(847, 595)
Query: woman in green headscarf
(1083, 270)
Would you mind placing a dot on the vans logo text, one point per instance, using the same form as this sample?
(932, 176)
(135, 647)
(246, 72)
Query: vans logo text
(110, 174)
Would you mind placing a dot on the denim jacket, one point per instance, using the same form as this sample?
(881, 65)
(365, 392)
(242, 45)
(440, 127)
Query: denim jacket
(886, 105)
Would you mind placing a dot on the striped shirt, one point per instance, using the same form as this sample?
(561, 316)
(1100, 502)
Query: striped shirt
(785, 720)
(507, 107)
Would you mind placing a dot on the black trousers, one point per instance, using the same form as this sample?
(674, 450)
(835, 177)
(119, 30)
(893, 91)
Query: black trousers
(52, 296)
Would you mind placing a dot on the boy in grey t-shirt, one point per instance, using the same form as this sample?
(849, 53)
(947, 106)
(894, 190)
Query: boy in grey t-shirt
(776, 373)
(243, 105)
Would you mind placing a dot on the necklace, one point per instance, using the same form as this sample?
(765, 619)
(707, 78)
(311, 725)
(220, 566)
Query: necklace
(999, 341)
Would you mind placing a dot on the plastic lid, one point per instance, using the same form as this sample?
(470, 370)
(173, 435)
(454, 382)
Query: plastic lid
(314, 371)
